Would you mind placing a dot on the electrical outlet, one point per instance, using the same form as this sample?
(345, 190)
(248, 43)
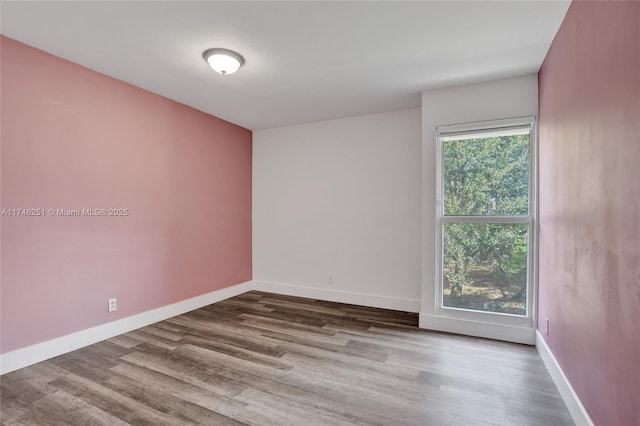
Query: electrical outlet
(112, 305)
(330, 278)
(546, 326)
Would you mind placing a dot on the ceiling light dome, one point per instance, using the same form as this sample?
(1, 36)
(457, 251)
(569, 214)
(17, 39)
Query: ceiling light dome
(223, 61)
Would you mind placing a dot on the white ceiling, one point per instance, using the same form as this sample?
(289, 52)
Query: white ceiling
(305, 61)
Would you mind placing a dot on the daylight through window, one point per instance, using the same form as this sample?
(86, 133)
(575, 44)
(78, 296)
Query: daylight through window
(485, 221)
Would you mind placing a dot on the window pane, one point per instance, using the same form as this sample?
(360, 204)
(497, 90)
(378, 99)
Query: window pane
(485, 267)
(486, 175)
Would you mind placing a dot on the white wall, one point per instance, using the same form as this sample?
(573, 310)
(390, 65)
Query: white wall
(513, 97)
(340, 197)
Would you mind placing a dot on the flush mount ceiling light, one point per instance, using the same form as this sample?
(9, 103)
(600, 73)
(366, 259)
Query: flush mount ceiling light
(224, 61)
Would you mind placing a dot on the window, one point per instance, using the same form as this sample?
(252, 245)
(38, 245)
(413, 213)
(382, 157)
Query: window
(485, 217)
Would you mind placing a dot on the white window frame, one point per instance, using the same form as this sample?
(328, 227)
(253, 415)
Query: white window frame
(488, 127)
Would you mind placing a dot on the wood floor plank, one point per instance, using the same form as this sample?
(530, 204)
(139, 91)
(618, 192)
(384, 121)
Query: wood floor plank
(266, 359)
(282, 409)
(181, 367)
(115, 403)
(124, 341)
(169, 386)
(157, 398)
(62, 409)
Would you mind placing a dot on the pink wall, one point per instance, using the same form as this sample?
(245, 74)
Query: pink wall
(73, 138)
(590, 206)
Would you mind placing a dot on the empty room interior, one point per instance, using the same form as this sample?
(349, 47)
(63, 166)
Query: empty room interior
(320, 213)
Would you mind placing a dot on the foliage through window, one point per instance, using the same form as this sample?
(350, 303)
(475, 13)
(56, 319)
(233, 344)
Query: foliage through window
(485, 220)
(486, 176)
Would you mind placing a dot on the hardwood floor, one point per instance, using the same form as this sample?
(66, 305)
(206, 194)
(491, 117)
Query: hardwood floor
(264, 359)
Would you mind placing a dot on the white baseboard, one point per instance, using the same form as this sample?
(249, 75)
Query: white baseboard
(577, 410)
(33, 354)
(507, 333)
(363, 299)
